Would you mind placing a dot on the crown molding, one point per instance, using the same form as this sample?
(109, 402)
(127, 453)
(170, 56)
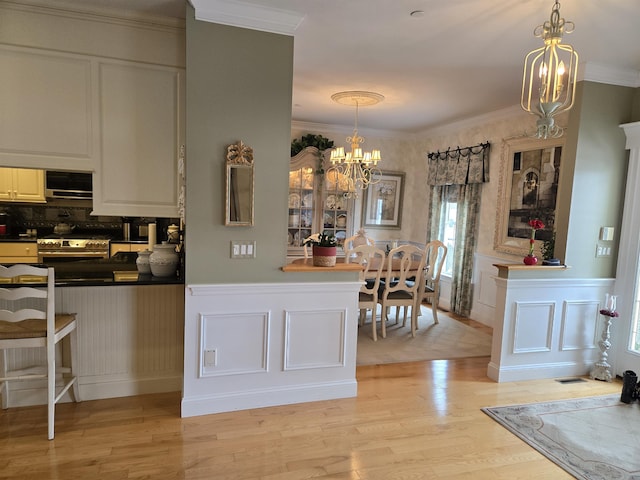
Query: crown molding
(245, 15)
(454, 127)
(75, 10)
(595, 72)
(348, 130)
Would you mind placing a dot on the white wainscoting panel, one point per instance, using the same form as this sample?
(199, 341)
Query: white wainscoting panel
(580, 327)
(483, 309)
(310, 350)
(533, 327)
(314, 339)
(236, 343)
(534, 338)
(130, 342)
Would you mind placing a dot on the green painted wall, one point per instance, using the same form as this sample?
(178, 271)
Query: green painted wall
(239, 84)
(593, 176)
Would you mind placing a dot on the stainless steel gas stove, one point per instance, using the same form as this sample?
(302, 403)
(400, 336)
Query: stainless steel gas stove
(63, 249)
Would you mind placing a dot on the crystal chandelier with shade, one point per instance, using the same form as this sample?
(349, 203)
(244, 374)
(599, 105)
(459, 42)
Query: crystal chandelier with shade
(355, 170)
(550, 72)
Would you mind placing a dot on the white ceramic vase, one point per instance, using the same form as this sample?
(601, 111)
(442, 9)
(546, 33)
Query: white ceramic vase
(142, 262)
(163, 260)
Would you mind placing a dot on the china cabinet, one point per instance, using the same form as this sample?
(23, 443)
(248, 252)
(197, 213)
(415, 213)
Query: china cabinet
(317, 203)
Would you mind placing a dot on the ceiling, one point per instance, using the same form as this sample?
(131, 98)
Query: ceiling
(459, 59)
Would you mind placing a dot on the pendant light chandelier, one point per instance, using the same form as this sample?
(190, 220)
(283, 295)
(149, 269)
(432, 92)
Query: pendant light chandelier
(357, 169)
(549, 80)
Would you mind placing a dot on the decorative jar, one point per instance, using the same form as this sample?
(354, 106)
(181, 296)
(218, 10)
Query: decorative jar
(142, 262)
(163, 260)
(530, 260)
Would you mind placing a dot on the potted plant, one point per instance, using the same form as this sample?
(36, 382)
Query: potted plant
(547, 249)
(324, 247)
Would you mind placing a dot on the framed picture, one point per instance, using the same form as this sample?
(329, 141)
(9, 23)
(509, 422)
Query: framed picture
(383, 201)
(528, 189)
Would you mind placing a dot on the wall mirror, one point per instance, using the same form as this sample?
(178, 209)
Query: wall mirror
(528, 188)
(239, 186)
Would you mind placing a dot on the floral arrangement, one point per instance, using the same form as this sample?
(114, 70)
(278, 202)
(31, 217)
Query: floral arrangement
(535, 224)
(321, 240)
(609, 309)
(548, 247)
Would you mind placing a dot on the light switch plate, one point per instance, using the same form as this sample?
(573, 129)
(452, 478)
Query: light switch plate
(243, 249)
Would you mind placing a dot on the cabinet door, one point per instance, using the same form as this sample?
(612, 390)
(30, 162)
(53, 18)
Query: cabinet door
(21, 185)
(337, 206)
(142, 130)
(28, 185)
(6, 183)
(302, 203)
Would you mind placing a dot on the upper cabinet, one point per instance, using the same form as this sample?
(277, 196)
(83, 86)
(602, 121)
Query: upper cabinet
(47, 109)
(316, 201)
(78, 93)
(21, 185)
(142, 129)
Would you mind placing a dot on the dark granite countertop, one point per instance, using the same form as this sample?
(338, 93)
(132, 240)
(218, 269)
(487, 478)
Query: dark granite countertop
(119, 269)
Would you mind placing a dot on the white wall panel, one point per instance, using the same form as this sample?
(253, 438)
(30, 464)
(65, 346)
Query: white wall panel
(310, 346)
(533, 339)
(314, 339)
(579, 328)
(533, 327)
(239, 343)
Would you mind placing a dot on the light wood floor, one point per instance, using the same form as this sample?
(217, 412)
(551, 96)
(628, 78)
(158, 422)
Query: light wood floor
(409, 421)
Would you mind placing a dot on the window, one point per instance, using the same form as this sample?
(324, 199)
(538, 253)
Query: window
(448, 229)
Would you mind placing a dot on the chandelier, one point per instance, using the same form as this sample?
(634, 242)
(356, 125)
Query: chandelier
(549, 80)
(357, 169)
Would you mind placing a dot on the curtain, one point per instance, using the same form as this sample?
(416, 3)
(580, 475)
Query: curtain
(457, 177)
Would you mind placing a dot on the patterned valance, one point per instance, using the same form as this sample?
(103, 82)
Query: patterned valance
(460, 166)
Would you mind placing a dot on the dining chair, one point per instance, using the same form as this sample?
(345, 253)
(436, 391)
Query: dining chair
(372, 260)
(436, 253)
(402, 286)
(360, 238)
(28, 320)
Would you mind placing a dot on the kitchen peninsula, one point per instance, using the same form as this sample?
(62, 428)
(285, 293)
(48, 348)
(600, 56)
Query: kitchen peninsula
(130, 329)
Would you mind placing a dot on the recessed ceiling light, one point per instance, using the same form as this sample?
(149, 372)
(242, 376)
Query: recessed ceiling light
(417, 13)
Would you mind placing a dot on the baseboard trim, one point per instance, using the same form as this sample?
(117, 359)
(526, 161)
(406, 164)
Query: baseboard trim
(210, 404)
(536, 372)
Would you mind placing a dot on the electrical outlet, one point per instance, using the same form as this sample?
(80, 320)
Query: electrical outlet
(210, 358)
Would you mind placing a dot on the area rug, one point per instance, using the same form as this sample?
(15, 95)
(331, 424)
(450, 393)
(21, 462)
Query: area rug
(448, 339)
(595, 438)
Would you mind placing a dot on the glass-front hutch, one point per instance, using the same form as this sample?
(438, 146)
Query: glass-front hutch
(317, 201)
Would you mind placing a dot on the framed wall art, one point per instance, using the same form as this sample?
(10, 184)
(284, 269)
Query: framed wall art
(382, 205)
(528, 189)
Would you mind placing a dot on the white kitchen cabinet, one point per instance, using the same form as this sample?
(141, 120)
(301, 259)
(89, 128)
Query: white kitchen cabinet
(142, 129)
(21, 185)
(317, 203)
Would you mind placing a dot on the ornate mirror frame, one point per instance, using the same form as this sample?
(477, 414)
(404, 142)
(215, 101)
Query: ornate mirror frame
(528, 189)
(239, 192)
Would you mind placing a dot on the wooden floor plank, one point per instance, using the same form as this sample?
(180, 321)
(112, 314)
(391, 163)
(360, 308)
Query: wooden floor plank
(418, 420)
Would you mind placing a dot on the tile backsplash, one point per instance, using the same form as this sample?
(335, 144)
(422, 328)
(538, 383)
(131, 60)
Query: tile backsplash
(44, 217)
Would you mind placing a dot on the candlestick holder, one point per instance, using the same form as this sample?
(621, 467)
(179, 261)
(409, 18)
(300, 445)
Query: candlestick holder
(602, 369)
